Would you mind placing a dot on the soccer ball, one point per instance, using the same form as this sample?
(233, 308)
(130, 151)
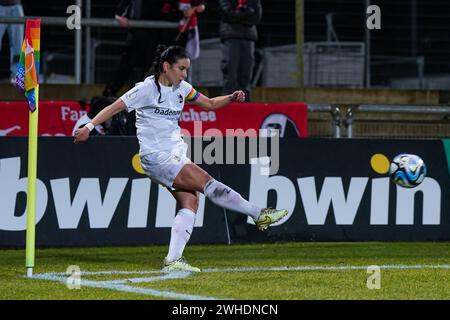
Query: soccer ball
(407, 170)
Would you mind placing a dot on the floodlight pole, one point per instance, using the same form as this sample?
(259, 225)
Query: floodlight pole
(87, 45)
(367, 48)
(300, 39)
(78, 48)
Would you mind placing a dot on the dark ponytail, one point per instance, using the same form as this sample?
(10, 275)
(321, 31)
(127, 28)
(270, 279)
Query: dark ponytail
(165, 54)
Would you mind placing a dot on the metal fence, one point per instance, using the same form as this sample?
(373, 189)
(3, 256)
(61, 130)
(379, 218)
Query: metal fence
(399, 121)
(75, 54)
(378, 121)
(409, 52)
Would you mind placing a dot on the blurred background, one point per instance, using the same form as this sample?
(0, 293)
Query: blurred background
(313, 51)
(361, 95)
(411, 51)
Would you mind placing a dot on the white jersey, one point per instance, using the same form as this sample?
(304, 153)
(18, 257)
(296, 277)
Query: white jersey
(157, 117)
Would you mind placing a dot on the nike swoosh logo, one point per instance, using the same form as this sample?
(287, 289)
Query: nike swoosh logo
(267, 220)
(187, 232)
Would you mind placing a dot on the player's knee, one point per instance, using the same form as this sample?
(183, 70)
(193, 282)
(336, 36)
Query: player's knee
(195, 203)
(192, 203)
(204, 181)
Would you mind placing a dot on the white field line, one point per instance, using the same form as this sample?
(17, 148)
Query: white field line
(126, 288)
(327, 268)
(123, 284)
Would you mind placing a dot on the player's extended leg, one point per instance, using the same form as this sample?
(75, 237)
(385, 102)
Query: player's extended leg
(182, 227)
(192, 177)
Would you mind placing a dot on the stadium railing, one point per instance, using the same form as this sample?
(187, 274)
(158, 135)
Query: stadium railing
(87, 23)
(416, 117)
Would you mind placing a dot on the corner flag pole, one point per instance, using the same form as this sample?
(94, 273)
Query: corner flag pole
(27, 80)
(32, 173)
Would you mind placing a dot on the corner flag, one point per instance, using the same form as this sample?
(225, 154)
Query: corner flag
(27, 81)
(28, 67)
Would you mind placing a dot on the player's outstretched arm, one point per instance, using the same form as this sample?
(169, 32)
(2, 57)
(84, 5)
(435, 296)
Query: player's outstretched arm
(219, 102)
(82, 134)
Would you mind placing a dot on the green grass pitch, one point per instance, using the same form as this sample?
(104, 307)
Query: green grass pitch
(275, 271)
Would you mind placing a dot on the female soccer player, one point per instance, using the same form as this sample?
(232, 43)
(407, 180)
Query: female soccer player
(158, 102)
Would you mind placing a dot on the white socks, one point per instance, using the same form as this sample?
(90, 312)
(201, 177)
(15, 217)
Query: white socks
(182, 227)
(183, 223)
(226, 197)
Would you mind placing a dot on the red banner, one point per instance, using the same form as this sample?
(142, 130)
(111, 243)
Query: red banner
(57, 118)
(242, 119)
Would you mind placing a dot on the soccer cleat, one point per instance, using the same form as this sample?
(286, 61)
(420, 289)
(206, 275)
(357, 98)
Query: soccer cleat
(179, 265)
(269, 216)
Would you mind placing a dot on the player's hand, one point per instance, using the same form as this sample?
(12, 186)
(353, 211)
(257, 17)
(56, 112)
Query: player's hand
(188, 12)
(81, 135)
(200, 8)
(123, 21)
(238, 96)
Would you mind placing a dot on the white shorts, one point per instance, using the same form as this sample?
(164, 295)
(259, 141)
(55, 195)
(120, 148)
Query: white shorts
(163, 167)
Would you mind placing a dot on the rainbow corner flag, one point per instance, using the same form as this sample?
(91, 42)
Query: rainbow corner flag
(28, 68)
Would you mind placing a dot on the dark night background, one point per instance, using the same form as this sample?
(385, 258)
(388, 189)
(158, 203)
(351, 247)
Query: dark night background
(403, 34)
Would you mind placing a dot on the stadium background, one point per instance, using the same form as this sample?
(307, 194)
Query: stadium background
(410, 76)
(397, 37)
(410, 29)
